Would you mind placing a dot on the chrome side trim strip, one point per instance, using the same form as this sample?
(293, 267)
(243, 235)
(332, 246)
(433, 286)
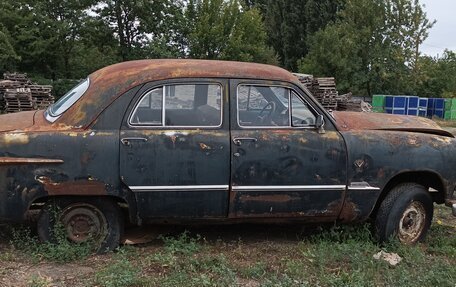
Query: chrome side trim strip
(25, 160)
(289, 187)
(180, 187)
(362, 186)
(238, 188)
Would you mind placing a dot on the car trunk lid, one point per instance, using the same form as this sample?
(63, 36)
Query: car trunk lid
(17, 121)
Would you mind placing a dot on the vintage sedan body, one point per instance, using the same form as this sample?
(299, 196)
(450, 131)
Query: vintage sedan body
(191, 140)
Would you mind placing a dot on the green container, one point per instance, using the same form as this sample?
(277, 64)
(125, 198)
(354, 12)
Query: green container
(378, 109)
(378, 101)
(450, 115)
(450, 104)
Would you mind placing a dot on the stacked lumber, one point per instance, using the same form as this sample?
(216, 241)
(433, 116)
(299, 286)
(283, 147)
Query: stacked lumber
(305, 79)
(4, 86)
(18, 100)
(16, 77)
(342, 102)
(18, 93)
(324, 90)
(41, 96)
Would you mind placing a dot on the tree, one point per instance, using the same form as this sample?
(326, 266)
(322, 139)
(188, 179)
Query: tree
(139, 24)
(225, 30)
(286, 26)
(8, 57)
(371, 47)
(319, 13)
(291, 23)
(437, 76)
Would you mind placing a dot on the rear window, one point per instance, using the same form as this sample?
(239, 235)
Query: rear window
(65, 102)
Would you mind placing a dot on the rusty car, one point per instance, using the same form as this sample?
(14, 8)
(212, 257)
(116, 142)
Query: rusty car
(177, 141)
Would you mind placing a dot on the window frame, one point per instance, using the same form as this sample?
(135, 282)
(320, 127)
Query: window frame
(290, 90)
(163, 118)
(51, 117)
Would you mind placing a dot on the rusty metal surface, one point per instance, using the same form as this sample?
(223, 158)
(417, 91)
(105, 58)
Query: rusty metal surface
(377, 157)
(81, 154)
(109, 83)
(16, 121)
(375, 121)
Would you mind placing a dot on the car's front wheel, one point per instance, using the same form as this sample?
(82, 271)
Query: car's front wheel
(95, 220)
(405, 214)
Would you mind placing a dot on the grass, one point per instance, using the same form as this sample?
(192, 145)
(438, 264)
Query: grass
(60, 250)
(337, 256)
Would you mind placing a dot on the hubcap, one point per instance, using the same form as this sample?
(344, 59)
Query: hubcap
(412, 223)
(83, 222)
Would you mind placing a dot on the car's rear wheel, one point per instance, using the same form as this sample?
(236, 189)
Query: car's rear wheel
(405, 214)
(95, 220)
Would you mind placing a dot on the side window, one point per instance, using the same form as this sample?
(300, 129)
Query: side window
(301, 115)
(263, 106)
(185, 105)
(149, 109)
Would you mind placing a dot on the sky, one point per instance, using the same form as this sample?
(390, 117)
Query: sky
(443, 35)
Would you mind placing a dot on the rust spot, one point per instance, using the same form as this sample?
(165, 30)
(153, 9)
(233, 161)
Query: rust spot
(107, 84)
(204, 146)
(17, 121)
(376, 121)
(268, 198)
(79, 187)
(380, 173)
(349, 212)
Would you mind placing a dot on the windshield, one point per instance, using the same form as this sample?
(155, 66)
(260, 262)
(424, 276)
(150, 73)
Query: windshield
(65, 102)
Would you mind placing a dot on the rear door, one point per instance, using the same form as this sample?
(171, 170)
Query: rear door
(282, 166)
(175, 147)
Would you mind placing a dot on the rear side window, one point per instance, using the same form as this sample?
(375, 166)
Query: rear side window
(182, 105)
(65, 102)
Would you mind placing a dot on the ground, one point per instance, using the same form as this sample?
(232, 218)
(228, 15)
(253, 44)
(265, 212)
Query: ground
(238, 255)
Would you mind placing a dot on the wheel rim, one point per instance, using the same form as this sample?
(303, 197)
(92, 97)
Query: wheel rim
(412, 223)
(83, 222)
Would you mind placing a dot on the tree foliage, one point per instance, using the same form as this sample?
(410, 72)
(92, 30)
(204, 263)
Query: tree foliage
(290, 24)
(225, 30)
(370, 46)
(373, 46)
(8, 57)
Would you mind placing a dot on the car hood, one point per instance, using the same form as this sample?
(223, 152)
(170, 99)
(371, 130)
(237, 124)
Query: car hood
(376, 121)
(17, 121)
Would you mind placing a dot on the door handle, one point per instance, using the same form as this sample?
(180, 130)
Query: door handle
(238, 141)
(127, 141)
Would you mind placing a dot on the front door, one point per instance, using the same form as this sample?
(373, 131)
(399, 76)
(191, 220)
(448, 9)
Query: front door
(175, 146)
(282, 165)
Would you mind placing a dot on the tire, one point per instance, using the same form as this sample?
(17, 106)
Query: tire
(405, 214)
(82, 219)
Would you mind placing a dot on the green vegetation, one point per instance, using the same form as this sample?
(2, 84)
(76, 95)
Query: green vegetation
(118, 274)
(335, 256)
(370, 46)
(60, 251)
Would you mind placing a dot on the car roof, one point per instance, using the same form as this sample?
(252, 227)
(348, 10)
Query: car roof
(109, 83)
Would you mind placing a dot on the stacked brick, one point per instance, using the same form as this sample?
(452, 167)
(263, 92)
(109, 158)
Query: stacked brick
(18, 93)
